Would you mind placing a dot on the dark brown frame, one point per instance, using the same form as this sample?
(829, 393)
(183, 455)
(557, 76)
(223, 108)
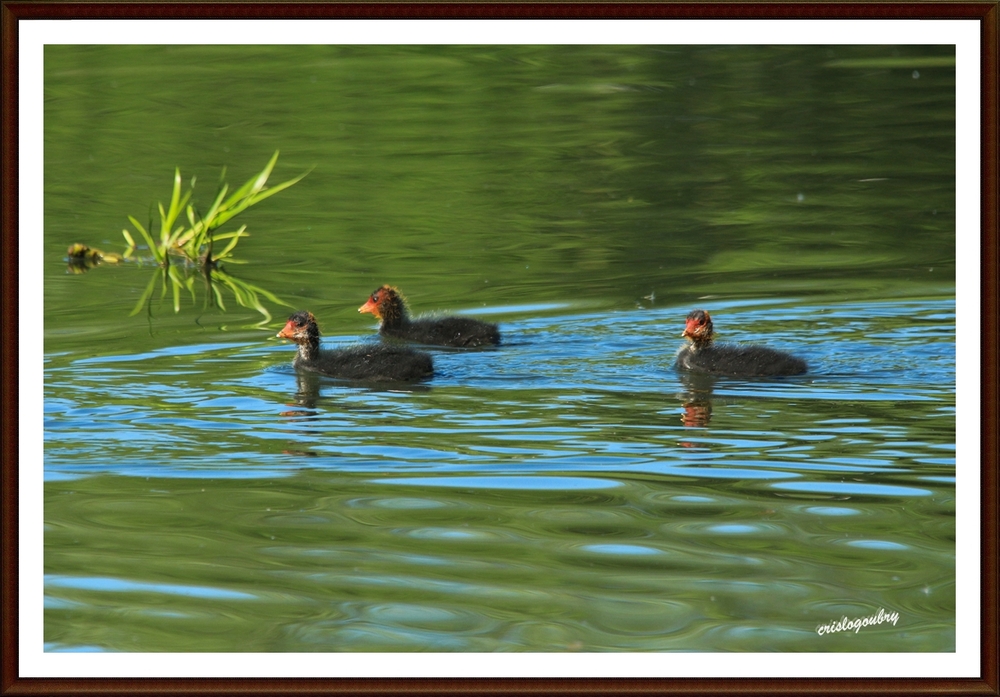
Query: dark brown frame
(11, 12)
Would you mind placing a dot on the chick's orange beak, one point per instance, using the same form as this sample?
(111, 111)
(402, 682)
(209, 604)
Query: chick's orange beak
(690, 329)
(369, 306)
(288, 331)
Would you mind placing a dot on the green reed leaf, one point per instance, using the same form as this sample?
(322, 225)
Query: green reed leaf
(158, 254)
(232, 243)
(218, 298)
(145, 296)
(177, 283)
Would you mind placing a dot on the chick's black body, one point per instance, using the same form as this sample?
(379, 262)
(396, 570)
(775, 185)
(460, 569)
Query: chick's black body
(739, 361)
(388, 306)
(372, 362)
(446, 331)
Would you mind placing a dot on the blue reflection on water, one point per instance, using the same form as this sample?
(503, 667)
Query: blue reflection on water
(117, 585)
(621, 549)
(189, 350)
(526, 482)
(876, 544)
(852, 488)
(832, 510)
(733, 528)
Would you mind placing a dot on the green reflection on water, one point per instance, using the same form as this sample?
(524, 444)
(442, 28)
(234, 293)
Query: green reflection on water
(486, 176)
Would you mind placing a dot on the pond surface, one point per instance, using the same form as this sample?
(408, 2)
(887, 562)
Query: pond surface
(568, 490)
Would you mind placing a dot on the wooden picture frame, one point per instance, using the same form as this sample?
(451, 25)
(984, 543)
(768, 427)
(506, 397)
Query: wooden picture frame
(14, 13)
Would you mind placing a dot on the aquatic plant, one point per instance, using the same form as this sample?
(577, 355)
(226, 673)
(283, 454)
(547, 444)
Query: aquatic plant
(196, 243)
(177, 279)
(184, 251)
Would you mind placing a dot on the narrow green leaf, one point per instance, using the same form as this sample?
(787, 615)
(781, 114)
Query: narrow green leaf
(189, 283)
(237, 293)
(157, 253)
(248, 188)
(164, 226)
(145, 296)
(176, 283)
(246, 295)
(232, 243)
(175, 236)
(208, 222)
(261, 179)
(195, 234)
(183, 203)
(175, 199)
(253, 199)
(140, 228)
(268, 294)
(218, 295)
(172, 218)
(226, 235)
(275, 189)
(185, 238)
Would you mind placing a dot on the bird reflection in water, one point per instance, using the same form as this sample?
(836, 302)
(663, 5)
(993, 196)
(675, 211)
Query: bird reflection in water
(696, 399)
(306, 396)
(308, 385)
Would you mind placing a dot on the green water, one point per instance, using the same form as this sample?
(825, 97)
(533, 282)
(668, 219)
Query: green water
(568, 491)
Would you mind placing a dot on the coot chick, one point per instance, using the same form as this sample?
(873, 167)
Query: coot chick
(388, 306)
(702, 355)
(374, 362)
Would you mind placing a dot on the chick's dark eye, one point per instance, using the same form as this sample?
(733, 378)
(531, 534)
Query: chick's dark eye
(300, 323)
